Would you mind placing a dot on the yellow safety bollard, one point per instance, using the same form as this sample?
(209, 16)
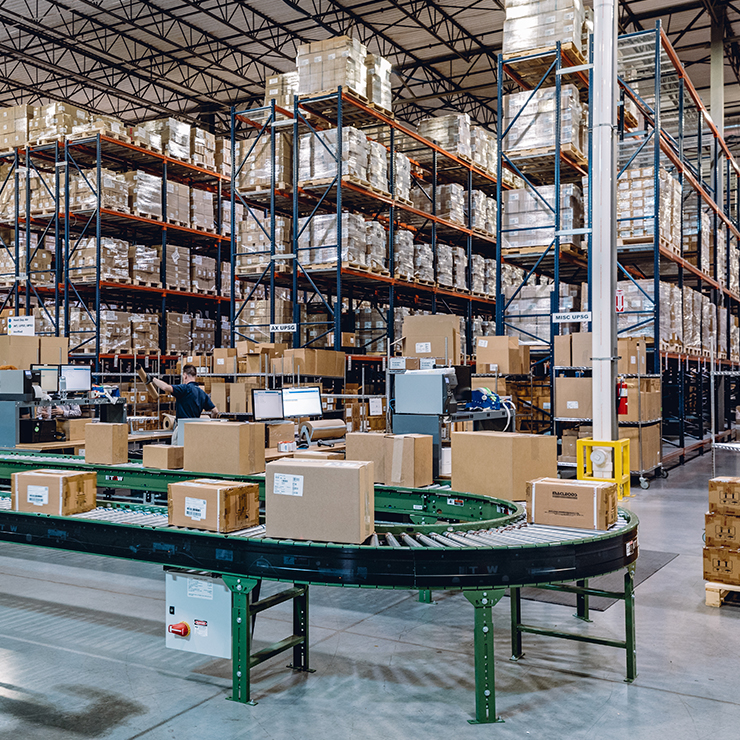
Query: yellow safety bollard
(620, 463)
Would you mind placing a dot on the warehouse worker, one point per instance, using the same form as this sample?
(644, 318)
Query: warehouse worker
(190, 400)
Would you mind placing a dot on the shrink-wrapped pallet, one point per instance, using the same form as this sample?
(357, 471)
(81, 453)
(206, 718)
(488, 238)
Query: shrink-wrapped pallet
(179, 329)
(540, 25)
(459, 268)
(317, 157)
(379, 90)
(145, 193)
(254, 242)
(376, 246)
(326, 65)
(423, 262)
(144, 263)
(317, 244)
(377, 170)
(478, 274)
(144, 332)
(451, 132)
(114, 260)
(401, 176)
(255, 163)
(175, 136)
(202, 274)
(282, 89)
(445, 267)
(403, 254)
(201, 210)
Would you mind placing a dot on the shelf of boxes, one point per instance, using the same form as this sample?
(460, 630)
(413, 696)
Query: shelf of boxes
(393, 185)
(125, 227)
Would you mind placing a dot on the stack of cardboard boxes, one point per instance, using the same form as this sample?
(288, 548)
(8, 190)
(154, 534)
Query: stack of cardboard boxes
(722, 534)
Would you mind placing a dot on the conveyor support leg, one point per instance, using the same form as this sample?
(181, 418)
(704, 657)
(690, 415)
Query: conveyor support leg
(485, 682)
(425, 596)
(515, 597)
(300, 629)
(241, 636)
(582, 602)
(629, 623)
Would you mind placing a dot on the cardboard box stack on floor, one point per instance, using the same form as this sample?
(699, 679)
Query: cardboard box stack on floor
(722, 532)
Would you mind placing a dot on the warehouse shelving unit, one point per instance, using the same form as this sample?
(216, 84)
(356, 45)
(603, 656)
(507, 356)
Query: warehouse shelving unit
(327, 285)
(55, 164)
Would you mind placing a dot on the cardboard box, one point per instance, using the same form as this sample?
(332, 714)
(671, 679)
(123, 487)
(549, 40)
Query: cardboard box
(571, 503)
(581, 350)
(724, 495)
(295, 361)
(563, 357)
(232, 448)
(54, 492)
(568, 450)
(722, 530)
(348, 339)
(408, 460)
(317, 455)
(367, 446)
(722, 565)
(632, 356)
(213, 505)
(164, 457)
(106, 444)
(53, 350)
(19, 351)
(503, 355)
(644, 399)
(73, 429)
(650, 441)
(436, 336)
(299, 493)
(573, 398)
(279, 433)
(220, 395)
(499, 464)
(239, 398)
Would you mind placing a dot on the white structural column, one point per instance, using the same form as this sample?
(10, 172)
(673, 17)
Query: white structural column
(604, 203)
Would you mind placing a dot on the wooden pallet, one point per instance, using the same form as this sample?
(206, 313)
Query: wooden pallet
(204, 229)
(346, 91)
(567, 249)
(405, 202)
(150, 216)
(146, 283)
(324, 182)
(535, 156)
(419, 281)
(257, 189)
(177, 222)
(123, 138)
(146, 145)
(184, 160)
(716, 593)
(530, 71)
(204, 165)
(258, 270)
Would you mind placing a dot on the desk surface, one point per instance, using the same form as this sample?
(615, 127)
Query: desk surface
(77, 443)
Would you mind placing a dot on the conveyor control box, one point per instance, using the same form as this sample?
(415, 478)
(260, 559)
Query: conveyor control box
(198, 618)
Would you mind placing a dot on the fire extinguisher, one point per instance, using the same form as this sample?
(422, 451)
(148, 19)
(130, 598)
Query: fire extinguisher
(621, 397)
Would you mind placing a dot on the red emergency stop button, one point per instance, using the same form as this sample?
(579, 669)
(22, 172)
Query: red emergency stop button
(181, 628)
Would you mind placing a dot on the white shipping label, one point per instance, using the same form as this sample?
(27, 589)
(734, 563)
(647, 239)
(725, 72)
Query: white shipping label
(426, 363)
(37, 495)
(195, 508)
(198, 589)
(288, 485)
(572, 404)
(482, 342)
(376, 407)
(220, 361)
(633, 360)
(422, 347)
(397, 363)
(493, 368)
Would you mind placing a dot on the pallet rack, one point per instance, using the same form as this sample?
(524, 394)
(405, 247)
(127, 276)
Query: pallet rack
(55, 164)
(327, 286)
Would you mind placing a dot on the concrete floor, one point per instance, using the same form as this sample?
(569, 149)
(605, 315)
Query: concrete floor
(82, 655)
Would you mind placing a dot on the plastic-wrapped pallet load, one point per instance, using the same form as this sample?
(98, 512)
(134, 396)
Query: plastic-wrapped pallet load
(115, 331)
(114, 264)
(144, 263)
(708, 325)
(226, 289)
(376, 246)
(697, 238)
(178, 203)
(450, 201)
(204, 334)
(84, 187)
(325, 65)
(478, 275)
(281, 88)
(734, 339)
(222, 156)
(639, 307)
(490, 284)
(317, 157)
(734, 267)
(175, 136)
(144, 332)
(480, 141)
(451, 132)
(401, 177)
(145, 137)
(444, 265)
(528, 222)
(718, 253)
(423, 262)
(253, 242)
(459, 268)
(255, 163)
(536, 118)
(379, 90)
(201, 210)
(55, 121)
(377, 170)
(722, 328)
(145, 193)
(403, 253)
(177, 267)
(203, 148)
(691, 320)
(179, 340)
(226, 216)
(202, 274)
(98, 123)
(480, 214)
(371, 327)
(324, 239)
(14, 126)
(536, 25)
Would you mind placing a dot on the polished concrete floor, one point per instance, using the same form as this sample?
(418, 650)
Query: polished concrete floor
(82, 656)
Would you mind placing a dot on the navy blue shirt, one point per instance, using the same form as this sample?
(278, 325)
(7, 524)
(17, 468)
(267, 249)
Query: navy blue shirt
(190, 400)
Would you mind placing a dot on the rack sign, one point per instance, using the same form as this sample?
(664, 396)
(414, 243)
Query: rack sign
(569, 318)
(282, 328)
(22, 325)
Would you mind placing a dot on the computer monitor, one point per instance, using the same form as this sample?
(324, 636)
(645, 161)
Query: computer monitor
(267, 405)
(302, 401)
(77, 378)
(48, 377)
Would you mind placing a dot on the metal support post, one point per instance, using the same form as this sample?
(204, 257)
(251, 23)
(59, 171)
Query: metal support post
(629, 623)
(604, 252)
(300, 629)
(582, 598)
(425, 596)
(241, 636)
(485, 682)
(515, 596)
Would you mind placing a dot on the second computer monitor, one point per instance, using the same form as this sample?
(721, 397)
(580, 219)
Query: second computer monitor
(302, 401)
(267, 404)
(77, 378)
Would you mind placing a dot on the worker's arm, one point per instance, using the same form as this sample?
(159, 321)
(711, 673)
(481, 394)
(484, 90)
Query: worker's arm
(166, 387)
(210, 407)
(215, 413)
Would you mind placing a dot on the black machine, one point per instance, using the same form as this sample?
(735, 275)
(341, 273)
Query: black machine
(37, 430)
